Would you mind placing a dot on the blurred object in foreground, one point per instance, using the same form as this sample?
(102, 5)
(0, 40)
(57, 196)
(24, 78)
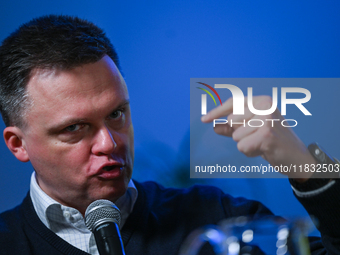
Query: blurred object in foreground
(243, 235)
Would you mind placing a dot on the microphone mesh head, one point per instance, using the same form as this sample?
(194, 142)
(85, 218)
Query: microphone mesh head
(101, 211)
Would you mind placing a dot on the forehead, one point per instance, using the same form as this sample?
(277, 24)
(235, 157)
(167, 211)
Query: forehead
(57, 93)
(101, 75)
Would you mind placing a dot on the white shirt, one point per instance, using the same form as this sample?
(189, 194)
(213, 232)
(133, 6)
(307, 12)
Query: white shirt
(68, 223)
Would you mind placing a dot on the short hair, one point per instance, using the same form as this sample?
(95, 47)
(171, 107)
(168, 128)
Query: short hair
(47, 42)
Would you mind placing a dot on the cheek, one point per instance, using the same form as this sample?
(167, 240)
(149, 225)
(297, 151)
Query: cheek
(129, 143)
(58, 155)
(131, 137)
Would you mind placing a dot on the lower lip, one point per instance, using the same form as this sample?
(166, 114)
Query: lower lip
(112, 174)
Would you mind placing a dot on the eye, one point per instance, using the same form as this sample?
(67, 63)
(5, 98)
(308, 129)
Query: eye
(74, 128)
(116, 120)
(116, 114)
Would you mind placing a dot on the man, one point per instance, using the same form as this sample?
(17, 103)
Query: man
(66, 108)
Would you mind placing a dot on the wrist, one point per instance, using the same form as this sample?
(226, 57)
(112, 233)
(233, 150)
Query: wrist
(321, 176)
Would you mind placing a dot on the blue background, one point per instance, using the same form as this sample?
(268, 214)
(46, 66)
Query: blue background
(162, 44)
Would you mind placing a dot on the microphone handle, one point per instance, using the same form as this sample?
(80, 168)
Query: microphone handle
(108, 239)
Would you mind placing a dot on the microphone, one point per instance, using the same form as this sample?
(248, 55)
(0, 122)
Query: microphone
(103, 217)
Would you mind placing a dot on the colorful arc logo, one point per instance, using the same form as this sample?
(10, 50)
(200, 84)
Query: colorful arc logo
(208, 92)
(204, 97)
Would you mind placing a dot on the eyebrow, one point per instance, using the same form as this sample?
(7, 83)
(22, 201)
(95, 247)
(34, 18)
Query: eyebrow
(73, 121)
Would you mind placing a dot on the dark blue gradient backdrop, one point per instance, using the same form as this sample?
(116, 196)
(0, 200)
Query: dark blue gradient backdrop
(162, 44)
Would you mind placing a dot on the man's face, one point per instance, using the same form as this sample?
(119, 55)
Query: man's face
(79, 135)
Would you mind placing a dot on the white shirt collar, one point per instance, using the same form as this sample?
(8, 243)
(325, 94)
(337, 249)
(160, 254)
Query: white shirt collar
(42, 202)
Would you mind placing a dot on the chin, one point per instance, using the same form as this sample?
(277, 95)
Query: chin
(112, 193)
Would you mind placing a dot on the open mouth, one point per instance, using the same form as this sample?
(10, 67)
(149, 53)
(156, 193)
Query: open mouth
(110, 168)
(111, 172)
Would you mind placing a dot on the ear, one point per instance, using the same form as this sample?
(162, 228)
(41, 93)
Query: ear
(14, 140)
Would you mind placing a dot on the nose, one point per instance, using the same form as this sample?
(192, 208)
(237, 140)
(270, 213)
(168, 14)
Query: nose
(104, 142)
